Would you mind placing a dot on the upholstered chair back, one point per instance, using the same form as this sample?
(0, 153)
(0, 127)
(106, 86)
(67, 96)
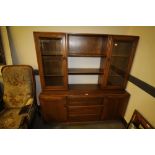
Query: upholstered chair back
(18, 85)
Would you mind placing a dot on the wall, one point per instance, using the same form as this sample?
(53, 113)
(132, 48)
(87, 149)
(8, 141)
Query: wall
(23, 52)
(143, 68)
(6, 47)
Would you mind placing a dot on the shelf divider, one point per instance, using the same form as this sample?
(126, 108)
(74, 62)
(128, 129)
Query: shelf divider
(85, 71)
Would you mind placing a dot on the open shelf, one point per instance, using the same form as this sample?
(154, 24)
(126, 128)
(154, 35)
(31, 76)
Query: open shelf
(85, 71)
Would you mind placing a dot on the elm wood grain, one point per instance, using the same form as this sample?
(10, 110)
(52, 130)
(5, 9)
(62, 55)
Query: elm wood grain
(86, 44)
(133, 41)
(79, 110)
(84, 71)
(83, 118)
(105, 106)
(53, 109)
(129, 51)
(114, 107)
(74, 54)
(82, 93)
(111, 98)
(106, 64)
(86, 100)
(45, 36)
(84, 87)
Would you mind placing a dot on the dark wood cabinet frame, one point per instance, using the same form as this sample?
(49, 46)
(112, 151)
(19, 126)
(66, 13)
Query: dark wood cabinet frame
(106, 100)
(2, 55)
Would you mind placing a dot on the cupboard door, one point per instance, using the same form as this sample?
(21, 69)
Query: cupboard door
(51, 54)
(120, 60)
(114, 107)
(53, 109)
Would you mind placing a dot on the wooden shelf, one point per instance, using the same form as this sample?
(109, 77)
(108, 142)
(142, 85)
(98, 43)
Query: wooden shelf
(123, 56)
(52, 75)
(52, 55)
(76, 54)
(85, 71)
(84, 87)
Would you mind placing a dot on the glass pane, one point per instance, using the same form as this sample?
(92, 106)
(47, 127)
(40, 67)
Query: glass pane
(53, 65)
(51, 46)
(122, 48)
(119, 63)
(115, 80)
(54, 81)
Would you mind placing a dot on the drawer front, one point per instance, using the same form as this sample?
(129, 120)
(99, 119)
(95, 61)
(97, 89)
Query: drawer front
(83, 118)
(84, 101)
(78, 110)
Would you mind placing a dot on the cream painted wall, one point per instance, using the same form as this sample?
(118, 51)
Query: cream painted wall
(6, 47)
(143, 68)
(24, 53)
(141, 101)
(145, 55)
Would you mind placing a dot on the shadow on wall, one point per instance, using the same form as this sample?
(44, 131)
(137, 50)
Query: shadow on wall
(12, 46)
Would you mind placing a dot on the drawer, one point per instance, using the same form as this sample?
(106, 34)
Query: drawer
(84, 101)
(79, 110)
(84, 118)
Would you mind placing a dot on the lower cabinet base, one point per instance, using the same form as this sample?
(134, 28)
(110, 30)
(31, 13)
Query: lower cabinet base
(93, 107)
(83, 118)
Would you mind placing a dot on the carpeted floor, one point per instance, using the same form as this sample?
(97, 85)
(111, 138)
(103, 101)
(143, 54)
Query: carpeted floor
(38, 123)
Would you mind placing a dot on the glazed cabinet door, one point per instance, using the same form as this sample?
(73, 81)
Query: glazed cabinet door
(53, 109)
(121, 54)
(52, 60)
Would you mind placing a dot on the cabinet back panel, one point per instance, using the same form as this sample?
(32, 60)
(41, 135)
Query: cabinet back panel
(84, 62)
(87, 44)
(83, 79)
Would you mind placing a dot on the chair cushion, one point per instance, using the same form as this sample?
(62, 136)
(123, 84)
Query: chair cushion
(10, 119)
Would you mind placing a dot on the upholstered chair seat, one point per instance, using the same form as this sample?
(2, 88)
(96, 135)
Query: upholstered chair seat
(18, 96)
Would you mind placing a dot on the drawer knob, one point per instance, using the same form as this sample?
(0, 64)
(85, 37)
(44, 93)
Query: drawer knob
(86, 94)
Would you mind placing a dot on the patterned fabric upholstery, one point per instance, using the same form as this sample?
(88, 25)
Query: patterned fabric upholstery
(10, 119)
(19, 91)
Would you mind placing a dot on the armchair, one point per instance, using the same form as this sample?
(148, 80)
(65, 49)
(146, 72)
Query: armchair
(19, 96)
